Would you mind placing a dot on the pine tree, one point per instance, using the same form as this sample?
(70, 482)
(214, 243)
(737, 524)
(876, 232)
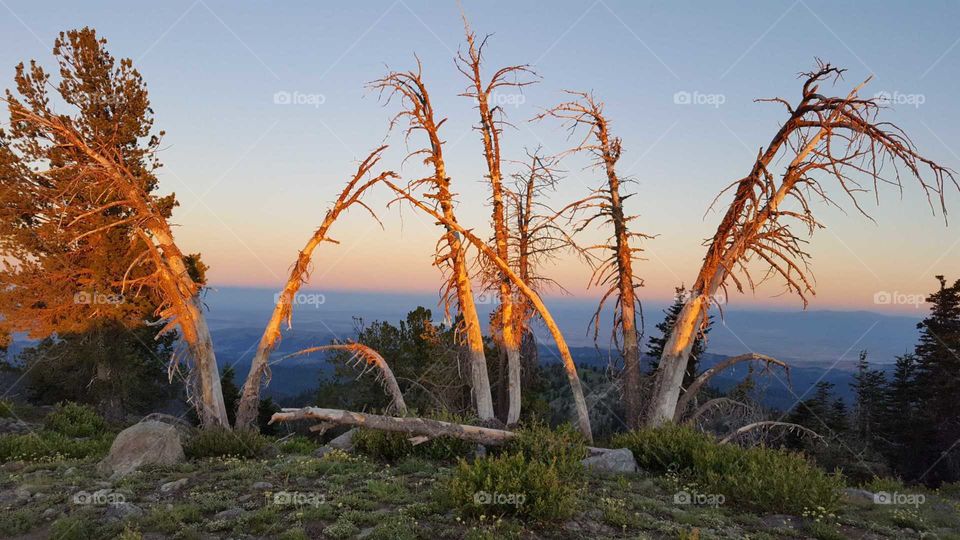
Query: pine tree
(869, 387)
(656, 343)
(938, 385)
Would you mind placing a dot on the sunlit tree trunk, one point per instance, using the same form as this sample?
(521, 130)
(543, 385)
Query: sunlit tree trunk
(283, 309)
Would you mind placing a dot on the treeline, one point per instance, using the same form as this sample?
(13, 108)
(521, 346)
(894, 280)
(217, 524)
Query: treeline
(905, 423)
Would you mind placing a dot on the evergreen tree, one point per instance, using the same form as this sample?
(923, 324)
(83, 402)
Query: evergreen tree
(938, 384)
(869, 388)
(656, 343)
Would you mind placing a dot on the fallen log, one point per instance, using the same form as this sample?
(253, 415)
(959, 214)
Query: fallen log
(406, 425)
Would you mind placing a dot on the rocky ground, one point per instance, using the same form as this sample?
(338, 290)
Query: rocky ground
(341, 495)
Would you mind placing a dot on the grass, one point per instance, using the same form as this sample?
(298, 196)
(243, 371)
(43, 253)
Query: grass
(219, 442)
(75, 420)
(357, 496)
(48, 446)
(757, 478)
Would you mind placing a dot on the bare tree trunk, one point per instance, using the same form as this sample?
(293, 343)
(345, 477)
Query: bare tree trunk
(830, 135)
(616, 270)
(420, 116)
(409, 426)
(283, 309)
(580, 404)
(705, 377)
(373, 359)
(504, 332)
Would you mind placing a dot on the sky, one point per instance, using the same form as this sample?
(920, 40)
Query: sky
(255, 174)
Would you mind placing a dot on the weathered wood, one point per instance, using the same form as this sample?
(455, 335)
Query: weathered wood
(415, 427)
(766, 423)
(705, 377)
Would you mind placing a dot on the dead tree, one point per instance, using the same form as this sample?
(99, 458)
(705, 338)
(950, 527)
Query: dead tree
(101, 150)
(418, 115)
(580, 404)
(691, 392)
(614, 274)
(822, 137)
(490, 128)
(371, 359)
(299, 274)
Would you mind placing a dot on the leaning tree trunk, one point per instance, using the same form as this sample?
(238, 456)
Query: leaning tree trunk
(259, 374)
(580, 404)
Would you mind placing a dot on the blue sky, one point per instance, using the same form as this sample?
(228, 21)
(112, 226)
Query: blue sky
(254, 177)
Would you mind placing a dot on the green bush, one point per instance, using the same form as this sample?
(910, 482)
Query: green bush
(390, 446)
(298, 444)
(75, 420)
(512, 484)
(563, 447)
(760, 478)
(223, 442)
(52, 446)
(6, 408)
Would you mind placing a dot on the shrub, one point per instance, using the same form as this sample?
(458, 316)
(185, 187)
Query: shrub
(73, 528)
(391, 446)
(51, 446)
(75, 420)
(563, 447)
(298, 444)
(512, 484)
(6, 408)
(223, 442)
(761, 478)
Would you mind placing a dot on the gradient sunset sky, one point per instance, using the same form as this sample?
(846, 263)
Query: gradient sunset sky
(255, 177)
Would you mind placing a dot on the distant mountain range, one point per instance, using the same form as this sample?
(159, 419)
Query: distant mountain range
(819, 344)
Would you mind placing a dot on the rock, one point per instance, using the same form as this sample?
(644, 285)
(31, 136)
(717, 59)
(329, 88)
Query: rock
(860, 495)
(146, 443)
(12, 466)
(618, 461)
(70, 471)
(322, 451)
(123, 510)
(49, 513)
(262, 486)
(185, 428)
(779, 521)
(343, 442)
(14, 426)
(231, 513)
(176, 485)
